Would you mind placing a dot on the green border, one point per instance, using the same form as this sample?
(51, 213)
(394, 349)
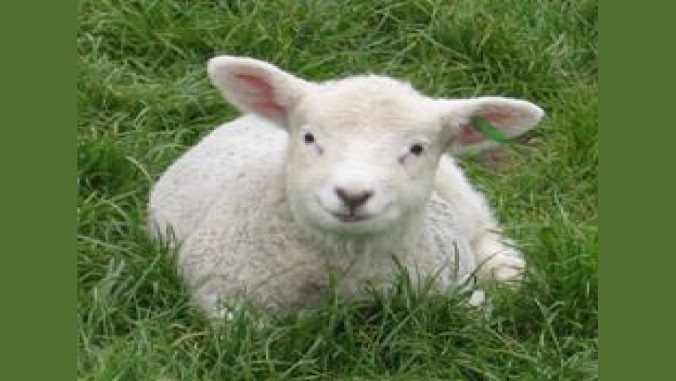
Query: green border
(38, 190)
(638, 163)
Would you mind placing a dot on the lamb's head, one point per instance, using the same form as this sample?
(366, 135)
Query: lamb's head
(363, 151)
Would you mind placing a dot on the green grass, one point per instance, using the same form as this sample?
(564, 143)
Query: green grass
(143, 99)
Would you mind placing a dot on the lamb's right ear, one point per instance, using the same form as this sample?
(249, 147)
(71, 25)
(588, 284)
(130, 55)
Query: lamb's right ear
(257, 87)
(511, 117)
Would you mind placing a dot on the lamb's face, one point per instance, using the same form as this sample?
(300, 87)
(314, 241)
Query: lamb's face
(363, 155)
(363, 151)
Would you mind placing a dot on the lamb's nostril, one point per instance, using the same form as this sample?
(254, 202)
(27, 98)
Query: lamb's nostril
(353, 199)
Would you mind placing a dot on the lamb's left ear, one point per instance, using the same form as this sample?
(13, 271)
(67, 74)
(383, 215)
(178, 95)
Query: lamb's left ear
(512, 117)
(258, 87)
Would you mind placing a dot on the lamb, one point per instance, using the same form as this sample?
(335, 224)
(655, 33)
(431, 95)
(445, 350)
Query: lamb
(335, 184)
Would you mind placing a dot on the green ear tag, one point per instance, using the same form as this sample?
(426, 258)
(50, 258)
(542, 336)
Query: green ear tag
(488, 130)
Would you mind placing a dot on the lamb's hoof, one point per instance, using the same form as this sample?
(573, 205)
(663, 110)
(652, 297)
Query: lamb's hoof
(477, 298)
(479, 301)
(506, 269)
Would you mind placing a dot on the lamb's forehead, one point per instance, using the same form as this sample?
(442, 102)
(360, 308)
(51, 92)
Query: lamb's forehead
(368, 102)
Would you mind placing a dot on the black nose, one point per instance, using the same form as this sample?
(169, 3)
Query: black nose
(353, 199)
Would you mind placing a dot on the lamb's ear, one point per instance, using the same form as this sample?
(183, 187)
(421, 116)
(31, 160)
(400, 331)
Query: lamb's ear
(257, 87)
(512, 117)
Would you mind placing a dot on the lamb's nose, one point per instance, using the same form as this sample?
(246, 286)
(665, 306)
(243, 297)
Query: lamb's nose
(353, 199)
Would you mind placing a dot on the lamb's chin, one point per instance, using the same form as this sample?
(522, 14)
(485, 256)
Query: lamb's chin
(354, 225)
(313, 217)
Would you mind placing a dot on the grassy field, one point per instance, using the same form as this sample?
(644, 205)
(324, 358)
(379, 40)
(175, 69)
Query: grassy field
(144, 98)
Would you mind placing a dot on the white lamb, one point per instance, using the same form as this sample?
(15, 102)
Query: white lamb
(336, 183)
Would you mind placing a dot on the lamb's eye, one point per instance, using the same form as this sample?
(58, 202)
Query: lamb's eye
(417, 149)
(308, 138)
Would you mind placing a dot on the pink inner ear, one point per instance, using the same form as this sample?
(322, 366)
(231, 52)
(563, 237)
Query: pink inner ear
(259, 95)
(500, 119)
(469, 135)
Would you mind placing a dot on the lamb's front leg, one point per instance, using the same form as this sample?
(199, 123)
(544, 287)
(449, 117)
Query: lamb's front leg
(497, 258)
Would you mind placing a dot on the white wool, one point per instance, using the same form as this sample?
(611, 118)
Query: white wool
(331, 184)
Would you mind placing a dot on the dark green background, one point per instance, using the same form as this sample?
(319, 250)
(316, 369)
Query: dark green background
(38, 190)
(637, 257)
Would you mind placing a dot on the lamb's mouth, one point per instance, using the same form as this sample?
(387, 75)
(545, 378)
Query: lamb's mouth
(350, 217)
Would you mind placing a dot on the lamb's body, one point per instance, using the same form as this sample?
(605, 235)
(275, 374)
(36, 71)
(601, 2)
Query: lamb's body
(233, 246)
(227, 202)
